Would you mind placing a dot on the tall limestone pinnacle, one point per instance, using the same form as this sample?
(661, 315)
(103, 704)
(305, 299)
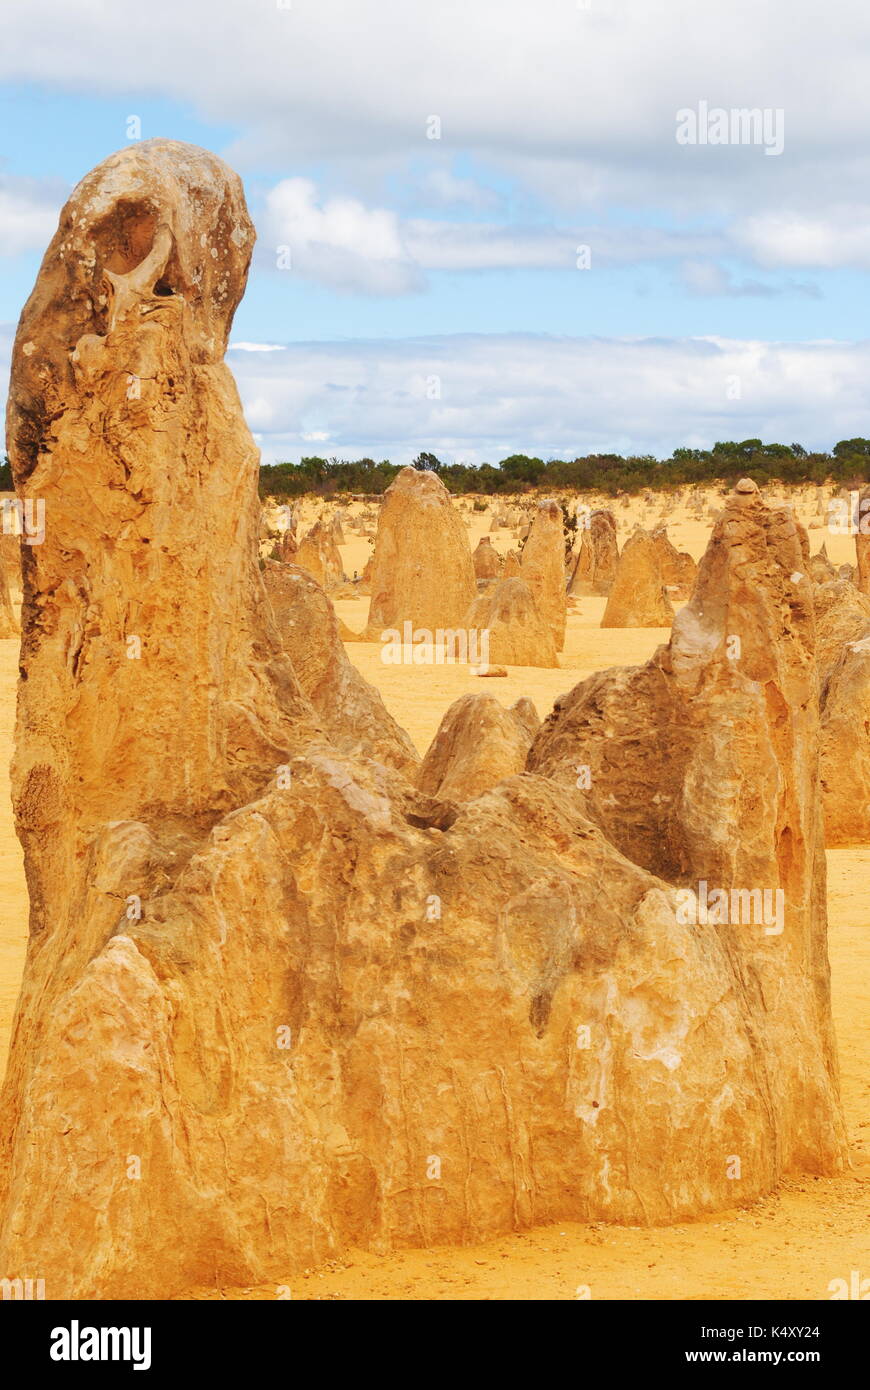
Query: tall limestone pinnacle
(277, 1000)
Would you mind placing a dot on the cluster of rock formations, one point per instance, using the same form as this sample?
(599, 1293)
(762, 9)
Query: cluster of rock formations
(287, 988)
(424, 574)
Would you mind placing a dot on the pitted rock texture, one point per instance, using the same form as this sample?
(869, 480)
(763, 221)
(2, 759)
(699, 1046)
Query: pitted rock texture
(703, 767)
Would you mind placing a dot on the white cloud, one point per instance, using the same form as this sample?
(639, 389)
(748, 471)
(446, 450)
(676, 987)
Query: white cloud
(504, 393)
(580, 104)
(344, 244)
(28, 214)
(440, 187)
(256, 347)
(839, 238)
(339, 241)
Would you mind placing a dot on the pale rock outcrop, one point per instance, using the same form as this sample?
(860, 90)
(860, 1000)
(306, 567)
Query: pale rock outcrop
(350, 710)
(487, 561)
(703, 767)
(8, 621)
(677, 566)
(845, 746)
(595, 569)
(12, 530)
(842, 616)
(843, 654)
(518, 633)
(318, 553)
(862, 540)
(821, 571)
(478, 744)
(637, 597)
(511, 568)
(422, 571)
(281, 978)
(542, 566)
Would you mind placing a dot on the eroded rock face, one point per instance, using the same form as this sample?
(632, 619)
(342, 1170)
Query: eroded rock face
(542, 566)
(703, 767)
(597, 560)
(862, 542)
(487, 561)
(267, 982)
(350, 710)
(518, 632)
(8, 620)
(843, 653)
(842, 616)
(820, 568)
(677, 566)
(318, 554)
(479, 743)
(637, 596)
(422, 570)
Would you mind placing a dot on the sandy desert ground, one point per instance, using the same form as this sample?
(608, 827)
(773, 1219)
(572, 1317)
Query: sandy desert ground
(789, 1246)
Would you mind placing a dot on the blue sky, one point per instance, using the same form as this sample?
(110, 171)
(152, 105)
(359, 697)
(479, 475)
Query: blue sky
(574, 276)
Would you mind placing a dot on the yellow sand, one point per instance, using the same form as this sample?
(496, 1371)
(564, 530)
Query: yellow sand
(789, 1246)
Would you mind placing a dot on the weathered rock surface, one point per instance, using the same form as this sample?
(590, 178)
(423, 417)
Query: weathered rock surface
(637, 596)
(703, 767)
(8, 621)
(821, 570)
(518, 633)
(598, 557)
(862, 541)
(677, 566)
(350, 710)
(478, 744)
(487, 561)
(842, 616)
(318, 553)
(267, 982)
(542, 566)
(843, 653)
(422, 570)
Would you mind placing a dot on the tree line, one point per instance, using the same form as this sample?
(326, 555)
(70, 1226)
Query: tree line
(789, 464)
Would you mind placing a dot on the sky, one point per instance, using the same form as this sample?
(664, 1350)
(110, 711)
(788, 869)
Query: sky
(495, 226)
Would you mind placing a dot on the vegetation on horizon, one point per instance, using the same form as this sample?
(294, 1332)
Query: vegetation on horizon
(789, 464)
